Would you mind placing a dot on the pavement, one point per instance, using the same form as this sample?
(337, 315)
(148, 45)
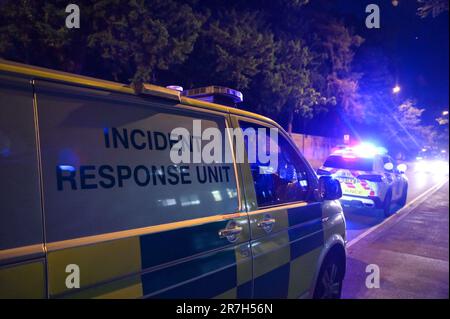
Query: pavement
(410, 249)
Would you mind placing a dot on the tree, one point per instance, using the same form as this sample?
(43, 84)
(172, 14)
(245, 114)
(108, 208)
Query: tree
(282, 64)
(238, 49)
(138, 38)
(333, 45)
(287, 87)
(374, 86)
(442, 137)
(404, 128)
(233, 47)
(119, 39)
(34, 32)
(336, 44)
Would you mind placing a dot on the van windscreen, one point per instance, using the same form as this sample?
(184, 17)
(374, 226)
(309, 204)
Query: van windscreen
(352, 163)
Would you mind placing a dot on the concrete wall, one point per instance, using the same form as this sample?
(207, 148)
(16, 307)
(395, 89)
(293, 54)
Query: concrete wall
(315, 148)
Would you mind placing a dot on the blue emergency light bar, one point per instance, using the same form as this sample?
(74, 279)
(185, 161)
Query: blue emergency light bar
(361, 150)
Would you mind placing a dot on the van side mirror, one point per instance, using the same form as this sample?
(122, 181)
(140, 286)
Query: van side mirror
(401, 168)
(329, 188)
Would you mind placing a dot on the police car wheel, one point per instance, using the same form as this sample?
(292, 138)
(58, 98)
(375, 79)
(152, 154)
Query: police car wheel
(329, 282)
(387, 204)
(402, 201)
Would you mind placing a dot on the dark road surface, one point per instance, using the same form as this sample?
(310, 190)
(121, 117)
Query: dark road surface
(410, 249)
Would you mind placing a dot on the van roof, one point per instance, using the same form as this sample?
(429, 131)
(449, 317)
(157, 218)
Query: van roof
(154, 90)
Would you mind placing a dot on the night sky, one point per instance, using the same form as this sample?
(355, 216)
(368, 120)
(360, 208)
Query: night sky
(418, 49)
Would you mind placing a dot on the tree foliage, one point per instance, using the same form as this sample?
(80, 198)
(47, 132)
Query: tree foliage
(137, 38)
(290, 83)
(431, 7)
(232, 49)
(119, 39)
(338, 43)
(293, 60)
(170, 41)
(34, 32)
(405, 130)
(274, 68)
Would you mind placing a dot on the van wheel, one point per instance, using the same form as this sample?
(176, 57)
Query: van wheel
(402, 201)
(329, 282)
(387, 204)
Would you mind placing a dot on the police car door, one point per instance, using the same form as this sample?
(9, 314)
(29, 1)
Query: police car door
(393, 178)
(122, 219)
(286, 223)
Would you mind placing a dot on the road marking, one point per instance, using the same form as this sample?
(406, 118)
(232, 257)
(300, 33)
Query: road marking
(398, 213)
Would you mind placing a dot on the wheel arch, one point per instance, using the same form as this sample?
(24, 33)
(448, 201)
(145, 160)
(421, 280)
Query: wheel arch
(334, 245)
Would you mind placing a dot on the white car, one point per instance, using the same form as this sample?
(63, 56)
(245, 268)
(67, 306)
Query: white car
(368, 178)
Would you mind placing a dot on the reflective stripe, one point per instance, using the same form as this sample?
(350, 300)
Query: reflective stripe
(138, 231)
(163, 264)
(270, 253)
(304, 213)
(98, 264)
(243, 264)
(207, 286)
(25, 251)
(302, 273)
(274, 284)
(23, 281)
(229, 294)
(183, 242)
(285, 261)
(127, 288)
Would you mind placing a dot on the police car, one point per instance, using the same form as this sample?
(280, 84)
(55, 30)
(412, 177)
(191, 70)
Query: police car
(93, 206)
(368, 177)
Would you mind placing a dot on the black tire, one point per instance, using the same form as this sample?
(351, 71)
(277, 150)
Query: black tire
(402, 201)
(387, 204)
(329, 281)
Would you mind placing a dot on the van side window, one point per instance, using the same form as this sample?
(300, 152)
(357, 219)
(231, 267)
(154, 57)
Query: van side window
(107, 166)
(285, 181)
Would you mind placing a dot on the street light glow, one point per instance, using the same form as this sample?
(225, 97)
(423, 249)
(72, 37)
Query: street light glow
(396, 89)
(445, 113)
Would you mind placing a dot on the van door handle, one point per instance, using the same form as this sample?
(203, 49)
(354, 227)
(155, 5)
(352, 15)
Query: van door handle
(230, 232)
(265, 223)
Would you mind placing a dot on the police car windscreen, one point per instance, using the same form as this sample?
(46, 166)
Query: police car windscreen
(352, 163)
